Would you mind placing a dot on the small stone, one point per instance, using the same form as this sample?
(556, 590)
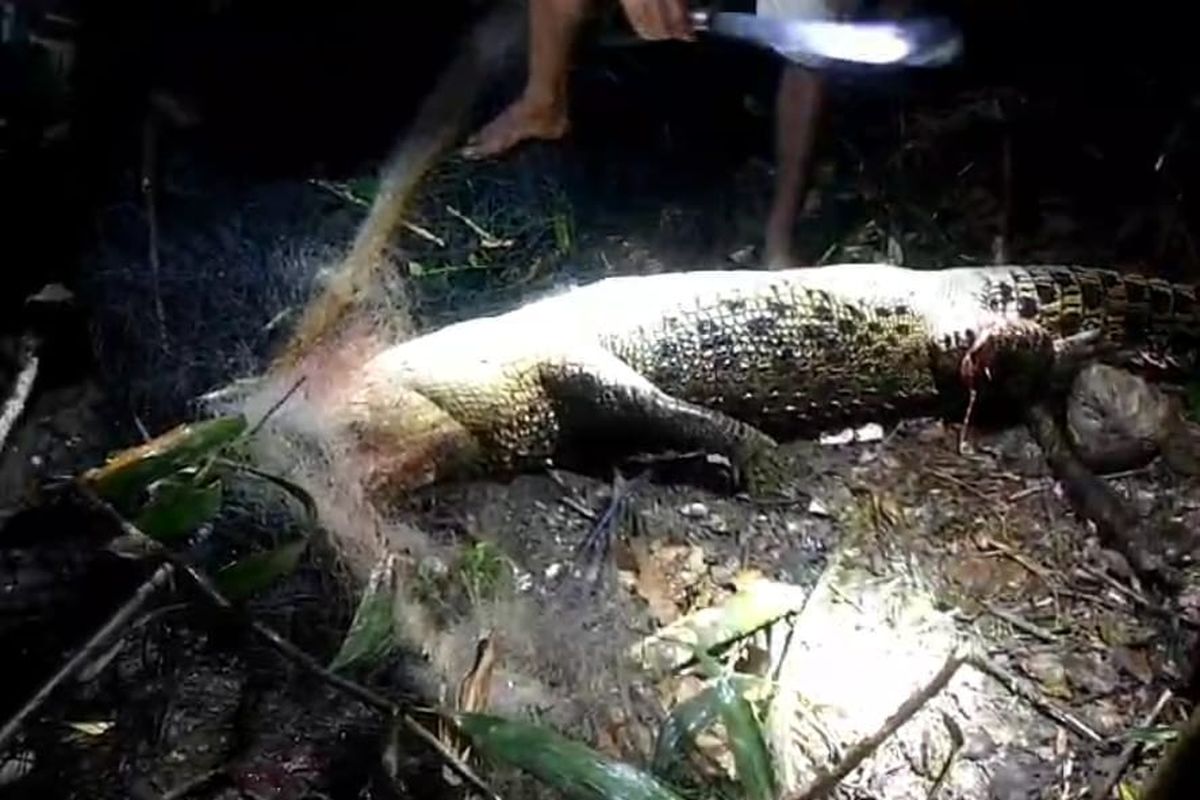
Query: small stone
(694, 510)
(871, 432)
(723, 574)
(1048, 670)
(52, 293)
(743, 256)
(553, 571)
(978, 745)
(816, 508)
(717, 524)
(433, 567)
(793, 527)
(841, 437)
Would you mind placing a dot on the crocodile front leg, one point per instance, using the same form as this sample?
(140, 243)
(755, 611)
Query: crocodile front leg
(602, 399)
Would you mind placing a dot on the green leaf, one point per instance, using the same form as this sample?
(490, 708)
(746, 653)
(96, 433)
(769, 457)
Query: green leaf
(1193, 400)
(756, 604)
(565, 765)
(562, 233)
(679, 731)
(724, 699)
(482, 569)
(298, 493)
(130, 471)
(372, 634)
(746, 741)
(1160, 735)
(177, 507)
(1127, 791)
(241, 579)
(364, 188)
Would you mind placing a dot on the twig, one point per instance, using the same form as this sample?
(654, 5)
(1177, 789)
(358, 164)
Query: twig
(960, 483)
(285, 648)
(1030, 491)
(1130, 751)
(98, 641)
(1176, 776)
(1035, 569)
(1014, 685)
(829, 781)
(486, 239)
(579, 508)
(592, 550)
(1021, 624)
(351, 197)
(149, 158)
(1137, 597)
(956, 745)
(1164, 614)
(1047, 485)
(1094, 500)
(424, 233)
(14, 406)
(278, 404)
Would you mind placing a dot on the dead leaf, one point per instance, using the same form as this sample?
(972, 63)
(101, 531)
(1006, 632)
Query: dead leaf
(653, 585)
(1135, 662)
(475, 687)
(473, 694)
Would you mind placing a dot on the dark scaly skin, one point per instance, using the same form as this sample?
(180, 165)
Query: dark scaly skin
(717, 361)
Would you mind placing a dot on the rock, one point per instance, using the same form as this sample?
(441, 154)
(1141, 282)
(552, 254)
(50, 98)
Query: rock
(1048, 670)
(1115, 419)
(978, 745)
(717, 524)
(871, 432)
(1019, 777)
(694, 510)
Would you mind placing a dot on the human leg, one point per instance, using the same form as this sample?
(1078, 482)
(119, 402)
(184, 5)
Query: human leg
(541, 110)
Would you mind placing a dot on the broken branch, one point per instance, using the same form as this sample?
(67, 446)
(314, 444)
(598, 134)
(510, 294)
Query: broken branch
(14, 406)
(827, 782)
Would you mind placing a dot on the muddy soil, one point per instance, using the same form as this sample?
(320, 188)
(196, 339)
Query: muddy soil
(990, 536)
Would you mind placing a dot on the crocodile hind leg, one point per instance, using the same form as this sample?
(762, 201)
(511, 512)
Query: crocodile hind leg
(601, 398)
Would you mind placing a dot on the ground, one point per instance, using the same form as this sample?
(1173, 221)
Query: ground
(907, 546)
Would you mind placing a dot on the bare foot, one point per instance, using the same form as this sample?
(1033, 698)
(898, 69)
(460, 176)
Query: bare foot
(778, 247)
(522, 120)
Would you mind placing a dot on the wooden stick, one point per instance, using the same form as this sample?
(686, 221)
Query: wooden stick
(14, 406)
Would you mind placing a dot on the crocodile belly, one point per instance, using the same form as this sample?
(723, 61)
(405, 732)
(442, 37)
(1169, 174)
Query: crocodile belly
(789, 359)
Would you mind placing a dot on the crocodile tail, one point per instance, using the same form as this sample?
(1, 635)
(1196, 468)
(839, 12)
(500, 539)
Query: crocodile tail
(362, 290)
(1132, 310)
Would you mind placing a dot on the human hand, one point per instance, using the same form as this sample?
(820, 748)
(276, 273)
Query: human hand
(659, 19)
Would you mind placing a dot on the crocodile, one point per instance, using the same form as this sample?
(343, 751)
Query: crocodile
(729, 361)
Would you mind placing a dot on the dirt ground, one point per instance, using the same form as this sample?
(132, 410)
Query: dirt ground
(905, 547)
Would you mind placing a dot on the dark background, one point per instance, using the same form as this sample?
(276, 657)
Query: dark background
(285, 88)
